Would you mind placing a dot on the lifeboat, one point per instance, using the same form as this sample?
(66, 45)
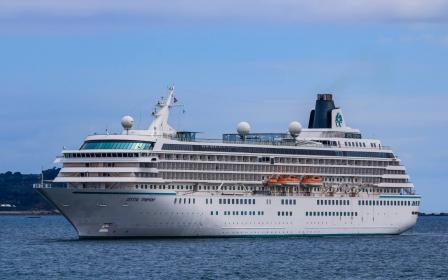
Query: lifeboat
(288, 180)
(271, 181)
(282, 180)
(311, 181)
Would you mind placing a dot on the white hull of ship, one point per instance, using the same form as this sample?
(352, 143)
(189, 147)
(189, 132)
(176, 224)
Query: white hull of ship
(118, 214)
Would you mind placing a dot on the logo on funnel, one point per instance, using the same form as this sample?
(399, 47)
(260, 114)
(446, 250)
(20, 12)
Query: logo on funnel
(338, 120)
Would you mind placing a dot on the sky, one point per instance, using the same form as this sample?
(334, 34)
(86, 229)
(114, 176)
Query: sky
(72, 68)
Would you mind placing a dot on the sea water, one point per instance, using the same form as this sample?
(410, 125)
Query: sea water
(48, 248)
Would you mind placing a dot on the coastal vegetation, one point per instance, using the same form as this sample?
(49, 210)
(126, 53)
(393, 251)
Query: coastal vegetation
(17, 193)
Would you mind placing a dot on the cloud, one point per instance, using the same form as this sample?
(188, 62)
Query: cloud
(114, 11)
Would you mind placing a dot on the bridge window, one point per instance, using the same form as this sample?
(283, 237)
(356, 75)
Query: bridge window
(116, 144)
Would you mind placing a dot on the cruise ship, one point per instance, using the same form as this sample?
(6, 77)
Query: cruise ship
(323, 180)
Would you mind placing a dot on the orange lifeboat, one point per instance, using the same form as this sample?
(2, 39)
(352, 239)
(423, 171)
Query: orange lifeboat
(288, 180)
(281, 180)
(271, 181)
(311, 181)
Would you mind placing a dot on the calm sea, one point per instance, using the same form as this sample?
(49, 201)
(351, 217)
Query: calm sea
(48, 248)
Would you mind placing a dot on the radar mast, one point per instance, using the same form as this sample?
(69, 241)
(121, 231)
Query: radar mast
(160, 126)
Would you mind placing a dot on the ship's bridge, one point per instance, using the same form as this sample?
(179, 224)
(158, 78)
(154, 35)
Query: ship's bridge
(118, 142)
(117, 145)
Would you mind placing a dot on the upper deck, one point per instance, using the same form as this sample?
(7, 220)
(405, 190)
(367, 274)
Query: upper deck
(137, 141)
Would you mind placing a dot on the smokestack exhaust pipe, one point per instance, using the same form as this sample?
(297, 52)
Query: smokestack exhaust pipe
(320, 117)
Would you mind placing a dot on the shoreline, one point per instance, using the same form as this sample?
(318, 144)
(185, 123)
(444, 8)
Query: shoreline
(432, 214)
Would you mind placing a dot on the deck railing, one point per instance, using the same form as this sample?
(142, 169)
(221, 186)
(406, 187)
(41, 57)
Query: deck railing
(42, 186)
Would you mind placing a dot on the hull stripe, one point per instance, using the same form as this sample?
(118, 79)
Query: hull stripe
(126, 193)
(238, 236)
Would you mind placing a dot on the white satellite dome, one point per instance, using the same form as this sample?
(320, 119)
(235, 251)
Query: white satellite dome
(243, 128)
(127, 122)
(294, 128)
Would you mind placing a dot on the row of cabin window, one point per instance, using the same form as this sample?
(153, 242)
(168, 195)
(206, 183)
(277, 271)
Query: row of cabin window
(361, 144)
(356, 144)
(284, 213)
(388, 180)
(146, 174)
(242, 213)
(380, 190)
(332, 214)
(263, 150)
(395, 172)
(288, 202)
(162, 187)
(354, 168)
(388, 203)
(333, 202)
(232, 160)
(258, 176)
(96, 164)
(185, 201)
(236, 201)
(99, 155)
(236, 176)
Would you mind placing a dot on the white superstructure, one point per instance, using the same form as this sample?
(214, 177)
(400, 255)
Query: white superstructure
(321, 180)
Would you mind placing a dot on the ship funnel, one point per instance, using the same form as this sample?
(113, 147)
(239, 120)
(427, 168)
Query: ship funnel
(321, 116)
